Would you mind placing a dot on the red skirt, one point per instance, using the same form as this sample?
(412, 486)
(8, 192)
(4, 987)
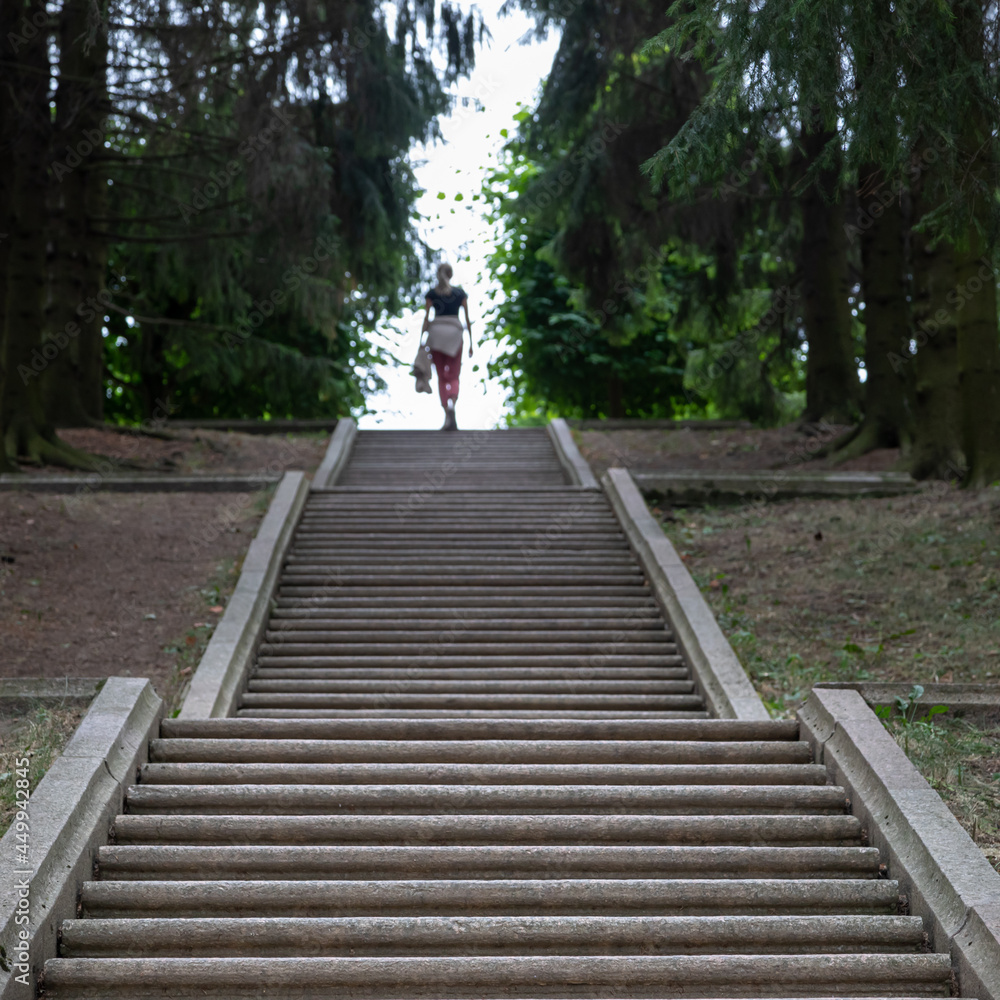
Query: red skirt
(447, 369)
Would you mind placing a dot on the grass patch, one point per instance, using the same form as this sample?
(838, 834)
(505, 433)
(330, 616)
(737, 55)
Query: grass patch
(39, 734)
(190, 647)
(962, 763)
(900, 589)
(894, 590)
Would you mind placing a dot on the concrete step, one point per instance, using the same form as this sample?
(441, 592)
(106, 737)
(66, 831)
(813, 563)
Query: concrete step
(499, 604)
(407, 492)
(533, 548)
(550, 528)
(644, 621)
(457, 536)
(856, 893)
(511, 469)
(533, 576)
(365, 574)
(485, 751)
(704, 775)
(641, 613)
(535, 935)
(461, 644)
(497, 514)
(568, 686)
(715, 731)
(493, 702)
(448, 799)
(521, 829)
(524, 592)
(461, 713)
(380, 676)
(470, 763)
(333, 556)
(592, 658)
(641, 630)
(503, 977)
(564, 509)
(368, 862)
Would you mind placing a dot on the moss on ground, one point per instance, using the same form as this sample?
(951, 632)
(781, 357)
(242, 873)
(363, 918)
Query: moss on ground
(38, 734)
(903, 589)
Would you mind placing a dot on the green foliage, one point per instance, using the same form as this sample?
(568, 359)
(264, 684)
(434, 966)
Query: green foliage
(561, 357)
(617, 300)
(262, 201)
(886, 80)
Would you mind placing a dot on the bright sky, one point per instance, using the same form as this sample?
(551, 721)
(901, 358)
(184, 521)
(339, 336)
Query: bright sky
(506, 73)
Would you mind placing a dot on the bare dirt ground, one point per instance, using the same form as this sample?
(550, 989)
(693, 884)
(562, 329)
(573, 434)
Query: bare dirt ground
(98, 584)
(896, 589)
(189, 451)
(900, 589)
(116, 584)
(736, 450)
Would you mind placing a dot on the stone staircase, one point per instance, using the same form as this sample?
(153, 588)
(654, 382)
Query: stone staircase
(470, 763)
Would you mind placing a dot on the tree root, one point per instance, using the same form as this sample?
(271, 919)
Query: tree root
(841, 441)
(948, 466)
(866, 438)
(858, 441)
(159, 434)
(42, 447)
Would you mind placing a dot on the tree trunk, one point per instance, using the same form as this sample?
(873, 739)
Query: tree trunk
(888, 381)
(74, 385)
(975, 296)
(937, 448)
(832, 389)
(616, 405)
(26, 432)
(978, 377)
(8, 22)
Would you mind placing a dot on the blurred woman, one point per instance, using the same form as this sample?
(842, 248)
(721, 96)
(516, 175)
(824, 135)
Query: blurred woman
(444, 338)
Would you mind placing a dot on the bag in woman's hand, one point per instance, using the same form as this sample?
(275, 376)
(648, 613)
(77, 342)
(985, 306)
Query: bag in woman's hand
(421, 369)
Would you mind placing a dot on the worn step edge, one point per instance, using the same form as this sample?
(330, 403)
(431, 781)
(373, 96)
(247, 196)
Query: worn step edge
(438, 935)
(715, 731)
(680, 976)
(515, 829)
(486, 751)
(330, 897)
(55, 834)
(425, 798)
(506, 774)
(437, 861)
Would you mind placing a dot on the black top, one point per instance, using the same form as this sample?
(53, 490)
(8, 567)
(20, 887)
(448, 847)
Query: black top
(447, 305)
